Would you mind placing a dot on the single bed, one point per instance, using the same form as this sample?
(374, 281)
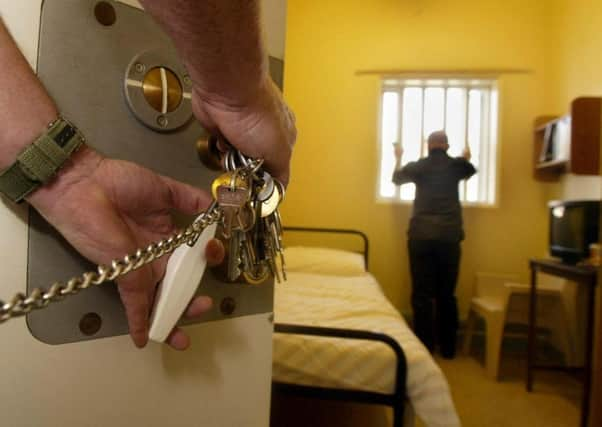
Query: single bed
(339, 338)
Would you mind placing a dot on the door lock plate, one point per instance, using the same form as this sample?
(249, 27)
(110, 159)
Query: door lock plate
(97, 74)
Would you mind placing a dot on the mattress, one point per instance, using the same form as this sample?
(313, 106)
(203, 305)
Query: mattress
(354, 301)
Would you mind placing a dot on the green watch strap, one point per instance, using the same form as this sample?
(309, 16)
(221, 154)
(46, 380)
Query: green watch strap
(39, 162)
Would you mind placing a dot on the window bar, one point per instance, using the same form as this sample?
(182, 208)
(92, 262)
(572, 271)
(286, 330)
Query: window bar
(466, 130)
(493, 148)
(400, 92)
(445, 108)
(484, 146)
(422, 122)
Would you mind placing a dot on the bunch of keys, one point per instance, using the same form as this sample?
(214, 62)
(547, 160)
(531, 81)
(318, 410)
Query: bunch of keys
(248, 198)
(246, 201)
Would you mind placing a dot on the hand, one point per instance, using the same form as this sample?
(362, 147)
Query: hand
(467, 154)
(108, 208)
(398, 151)
(265, 128)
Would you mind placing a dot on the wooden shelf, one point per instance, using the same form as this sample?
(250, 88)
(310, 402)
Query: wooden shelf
(581, 152)
(585, 136)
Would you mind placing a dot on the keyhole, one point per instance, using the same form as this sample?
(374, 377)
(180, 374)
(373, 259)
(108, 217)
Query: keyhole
(162, 90)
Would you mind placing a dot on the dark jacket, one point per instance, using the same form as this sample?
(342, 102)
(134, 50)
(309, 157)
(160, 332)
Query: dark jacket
(437, 213)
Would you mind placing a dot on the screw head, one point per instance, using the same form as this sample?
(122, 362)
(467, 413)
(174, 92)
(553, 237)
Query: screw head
(227, 306)
(90, 324)
(162, 121)
(139, 67)
(187, 80)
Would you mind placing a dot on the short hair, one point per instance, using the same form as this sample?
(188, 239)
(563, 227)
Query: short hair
(438, 137)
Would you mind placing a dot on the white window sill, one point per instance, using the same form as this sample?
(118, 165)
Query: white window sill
(468, 205)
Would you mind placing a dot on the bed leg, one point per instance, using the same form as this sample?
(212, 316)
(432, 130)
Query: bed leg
(398, 415)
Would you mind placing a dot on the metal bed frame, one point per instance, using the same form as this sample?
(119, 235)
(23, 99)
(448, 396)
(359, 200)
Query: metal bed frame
(396, 400)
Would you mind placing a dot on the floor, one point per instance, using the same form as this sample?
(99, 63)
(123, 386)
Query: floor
(554, 401)
(480, 402)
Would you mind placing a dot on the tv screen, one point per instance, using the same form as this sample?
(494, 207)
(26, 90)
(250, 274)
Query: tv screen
(574, 226)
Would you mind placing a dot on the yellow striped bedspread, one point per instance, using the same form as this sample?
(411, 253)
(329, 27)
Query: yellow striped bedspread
(354, 302)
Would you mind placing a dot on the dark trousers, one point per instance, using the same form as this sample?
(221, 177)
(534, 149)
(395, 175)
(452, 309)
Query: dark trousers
(434, 266)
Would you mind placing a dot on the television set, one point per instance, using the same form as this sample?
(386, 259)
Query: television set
(574, 225)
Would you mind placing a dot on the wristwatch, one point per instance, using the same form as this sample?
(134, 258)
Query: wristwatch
(39, 162)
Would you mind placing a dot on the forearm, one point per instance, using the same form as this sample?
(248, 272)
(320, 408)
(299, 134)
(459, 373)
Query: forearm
(400, 178)
(220, 42)
(25, 106)
(26, 109)
(403, 175)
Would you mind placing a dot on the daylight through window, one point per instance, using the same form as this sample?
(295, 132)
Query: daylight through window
(467, 109)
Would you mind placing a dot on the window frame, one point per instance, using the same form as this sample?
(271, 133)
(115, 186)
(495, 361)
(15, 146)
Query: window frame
(396, 83)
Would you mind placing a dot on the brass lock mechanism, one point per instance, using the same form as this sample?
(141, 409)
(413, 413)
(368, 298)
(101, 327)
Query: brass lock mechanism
(159, 91)
(162, 90)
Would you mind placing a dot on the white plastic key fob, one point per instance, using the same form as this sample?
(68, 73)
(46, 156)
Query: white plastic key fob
(183, 274)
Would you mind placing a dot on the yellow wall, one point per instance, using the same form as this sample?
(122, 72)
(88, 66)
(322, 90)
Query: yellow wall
(335, 162)
(578, 62)
(578, 66)
(577, 71)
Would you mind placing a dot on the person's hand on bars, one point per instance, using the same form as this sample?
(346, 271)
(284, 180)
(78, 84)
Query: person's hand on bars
(466, 154)
(109, 208)
(398, 151)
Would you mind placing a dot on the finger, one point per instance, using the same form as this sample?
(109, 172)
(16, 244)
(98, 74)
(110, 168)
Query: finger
(198, 306)
(186, 198)
(178, 340)
(215, 252)
(279, 166)
(134, 293)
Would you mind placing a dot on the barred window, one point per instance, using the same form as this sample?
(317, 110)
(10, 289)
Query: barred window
(467, 109)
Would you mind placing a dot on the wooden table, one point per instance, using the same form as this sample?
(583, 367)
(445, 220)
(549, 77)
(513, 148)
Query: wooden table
(585, 276)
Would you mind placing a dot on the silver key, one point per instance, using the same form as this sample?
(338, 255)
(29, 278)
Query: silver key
(271, 204)
(234, 255)
(278, 241)
(270, 250)
(273, 236)
(255, 268)
(247, 253)
(267, 187)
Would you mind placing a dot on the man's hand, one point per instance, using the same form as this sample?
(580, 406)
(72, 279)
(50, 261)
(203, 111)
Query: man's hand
(265, 128)
(108, 208)
(467, 154)
(220, 43)
(398, 150)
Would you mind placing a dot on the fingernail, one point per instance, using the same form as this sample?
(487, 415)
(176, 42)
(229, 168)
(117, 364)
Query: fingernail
(206, 302)
(141, 340)
(199, 306)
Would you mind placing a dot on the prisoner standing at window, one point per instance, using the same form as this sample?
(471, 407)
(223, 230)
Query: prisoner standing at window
(434, 238)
